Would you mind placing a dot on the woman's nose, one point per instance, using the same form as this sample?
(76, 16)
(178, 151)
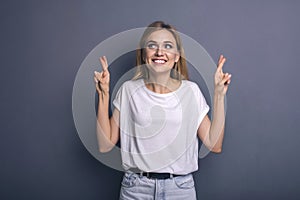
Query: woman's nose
(159, 51)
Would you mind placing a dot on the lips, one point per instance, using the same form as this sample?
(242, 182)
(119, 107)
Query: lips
(159, 61)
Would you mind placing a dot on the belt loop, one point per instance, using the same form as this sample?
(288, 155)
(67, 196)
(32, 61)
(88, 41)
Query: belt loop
(171, 176)
(147, 173)
(141, 174)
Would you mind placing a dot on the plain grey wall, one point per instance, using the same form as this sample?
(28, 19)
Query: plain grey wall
(44, 42)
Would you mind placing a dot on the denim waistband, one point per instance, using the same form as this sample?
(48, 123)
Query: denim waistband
(153, 175)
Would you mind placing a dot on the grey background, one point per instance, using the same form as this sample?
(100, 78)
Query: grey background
(44, 42)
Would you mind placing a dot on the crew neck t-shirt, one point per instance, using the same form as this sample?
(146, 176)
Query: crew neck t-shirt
(158, 132)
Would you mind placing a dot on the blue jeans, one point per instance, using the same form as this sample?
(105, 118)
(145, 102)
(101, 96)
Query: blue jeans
(136, 187)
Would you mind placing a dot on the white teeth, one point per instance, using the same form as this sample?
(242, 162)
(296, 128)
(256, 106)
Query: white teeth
(159, 61)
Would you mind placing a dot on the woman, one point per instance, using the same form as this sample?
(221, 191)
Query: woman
(158, 116)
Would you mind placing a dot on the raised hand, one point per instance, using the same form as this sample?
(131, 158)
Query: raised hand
(222, 80)
(102, 78)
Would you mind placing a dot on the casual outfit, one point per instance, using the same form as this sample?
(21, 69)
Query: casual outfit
(158, 135)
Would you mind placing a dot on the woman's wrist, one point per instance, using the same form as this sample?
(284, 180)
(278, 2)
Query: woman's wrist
(219, 95)
(104, 91)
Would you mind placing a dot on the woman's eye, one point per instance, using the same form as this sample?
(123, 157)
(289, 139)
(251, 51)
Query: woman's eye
(168, 46)
(152, 46)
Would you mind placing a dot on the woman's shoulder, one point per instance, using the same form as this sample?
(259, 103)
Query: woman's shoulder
(190, 84)
(131, 84)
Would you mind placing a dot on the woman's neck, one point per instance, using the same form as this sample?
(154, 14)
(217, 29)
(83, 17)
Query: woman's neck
(162, 84)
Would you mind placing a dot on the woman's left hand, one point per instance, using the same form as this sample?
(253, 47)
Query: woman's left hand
(222, 80)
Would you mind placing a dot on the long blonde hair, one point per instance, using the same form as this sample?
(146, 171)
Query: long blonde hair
(179, 71)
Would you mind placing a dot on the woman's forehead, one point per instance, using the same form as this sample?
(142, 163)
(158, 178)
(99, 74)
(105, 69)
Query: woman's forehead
(162, 35)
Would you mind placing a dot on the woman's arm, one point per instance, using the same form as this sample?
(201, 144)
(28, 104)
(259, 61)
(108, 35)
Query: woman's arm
(212, 133)
(107, 128)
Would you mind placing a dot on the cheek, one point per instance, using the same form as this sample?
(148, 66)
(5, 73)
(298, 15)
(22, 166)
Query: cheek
(147, 55)
(173, 56)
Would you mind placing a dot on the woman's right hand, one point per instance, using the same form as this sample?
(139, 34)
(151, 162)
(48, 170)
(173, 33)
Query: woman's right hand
(102, 78)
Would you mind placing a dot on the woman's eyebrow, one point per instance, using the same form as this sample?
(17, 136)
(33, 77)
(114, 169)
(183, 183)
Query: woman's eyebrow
(167, 41)
(150, 41)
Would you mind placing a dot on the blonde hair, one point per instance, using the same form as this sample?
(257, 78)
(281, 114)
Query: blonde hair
(179, 71)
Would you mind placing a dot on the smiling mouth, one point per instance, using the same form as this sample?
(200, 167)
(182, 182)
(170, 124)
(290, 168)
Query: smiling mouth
(159, 61)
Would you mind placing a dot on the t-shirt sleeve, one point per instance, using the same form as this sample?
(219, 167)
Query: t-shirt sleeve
(203, 107)
(117, 99)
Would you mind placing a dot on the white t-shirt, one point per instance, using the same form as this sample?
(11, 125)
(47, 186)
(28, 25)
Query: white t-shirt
(159, 131)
